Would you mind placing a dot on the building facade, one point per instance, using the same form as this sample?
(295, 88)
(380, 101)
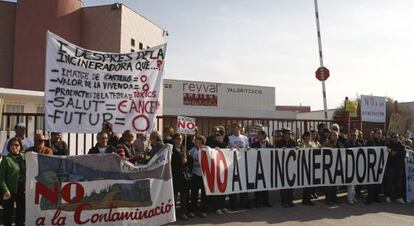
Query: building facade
(23, 27)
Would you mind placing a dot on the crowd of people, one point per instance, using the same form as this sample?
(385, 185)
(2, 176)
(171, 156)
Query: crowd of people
(185, 161)
(187, 175)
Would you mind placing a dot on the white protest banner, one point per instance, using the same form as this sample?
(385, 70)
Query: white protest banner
(235, 171)
(373, 109)
(186, 125)
(409, 176)
(98, 190)
(84, 88)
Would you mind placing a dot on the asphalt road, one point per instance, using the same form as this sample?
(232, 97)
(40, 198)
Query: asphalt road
(390, 214)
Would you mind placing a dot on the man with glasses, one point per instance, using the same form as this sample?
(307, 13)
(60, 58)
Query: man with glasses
(39, 145)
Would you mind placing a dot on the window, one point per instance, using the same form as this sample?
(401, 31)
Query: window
(141, 46)
(148, 47)
(12, 108)
(132, 42)
(40, 120)
(132, 50)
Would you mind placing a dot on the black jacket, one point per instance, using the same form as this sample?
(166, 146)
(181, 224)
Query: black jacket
(95, 150)
(396, 161)
(257, 145)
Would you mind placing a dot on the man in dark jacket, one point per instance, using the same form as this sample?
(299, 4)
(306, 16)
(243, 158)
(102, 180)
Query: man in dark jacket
(261, 197)
(102, 146)
(394, 169)
(56, 143)
(375, 189)
(286, 195)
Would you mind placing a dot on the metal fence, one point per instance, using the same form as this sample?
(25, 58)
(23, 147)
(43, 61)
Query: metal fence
(80, 143)
(205, 124)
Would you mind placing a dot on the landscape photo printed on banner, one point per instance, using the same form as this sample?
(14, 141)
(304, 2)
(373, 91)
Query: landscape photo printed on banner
(84, 88)
(99, 190)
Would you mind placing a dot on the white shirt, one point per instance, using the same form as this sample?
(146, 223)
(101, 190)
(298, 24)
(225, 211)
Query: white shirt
(26, 142)
(102, 150)
(240, 141)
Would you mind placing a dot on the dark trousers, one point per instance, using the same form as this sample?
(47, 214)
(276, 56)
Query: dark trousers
(233, 201)
(197, 184)
(373, 192)
(331, 194)
(394, 179)
(286, 196)
(306, 194)
(183, 191)
(218, 201)
(19, 199)
(244, 199)
(261, 198)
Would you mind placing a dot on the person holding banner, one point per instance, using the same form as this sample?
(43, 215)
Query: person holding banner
(307, 192)
(394, 170)
(180, 184)
(219, 142)
(238, 140)
(286, 195)
(352, 142)
(102, 146)
(331, 191)
(125, 148)
(113, 139)
(375, 189)
(197, 180)
(261, 198)
(12, 182)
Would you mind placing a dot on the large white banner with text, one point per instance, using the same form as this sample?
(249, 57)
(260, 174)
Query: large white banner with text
(84, 88)
(229, 171)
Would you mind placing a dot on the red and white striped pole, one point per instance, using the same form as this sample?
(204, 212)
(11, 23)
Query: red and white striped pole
(325, 107)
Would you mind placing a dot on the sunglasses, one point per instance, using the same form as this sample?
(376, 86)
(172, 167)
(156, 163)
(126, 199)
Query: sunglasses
(42, 140)
(15, 145)
(218, 135)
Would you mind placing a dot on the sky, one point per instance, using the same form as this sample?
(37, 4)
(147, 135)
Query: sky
(368, 45)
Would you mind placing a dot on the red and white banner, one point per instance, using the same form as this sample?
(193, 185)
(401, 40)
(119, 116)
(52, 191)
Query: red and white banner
(228, 171)
(98, 190)
(84, 88)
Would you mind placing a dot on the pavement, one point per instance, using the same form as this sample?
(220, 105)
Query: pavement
(389, 214)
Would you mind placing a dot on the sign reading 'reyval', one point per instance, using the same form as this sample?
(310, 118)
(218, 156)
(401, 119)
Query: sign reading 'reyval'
(84, 88)
(373, 109)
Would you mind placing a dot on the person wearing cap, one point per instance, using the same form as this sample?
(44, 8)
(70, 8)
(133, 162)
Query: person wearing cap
(39, 145)
(286, 195)
(56, 143)
(20, 130)
(113, 139)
